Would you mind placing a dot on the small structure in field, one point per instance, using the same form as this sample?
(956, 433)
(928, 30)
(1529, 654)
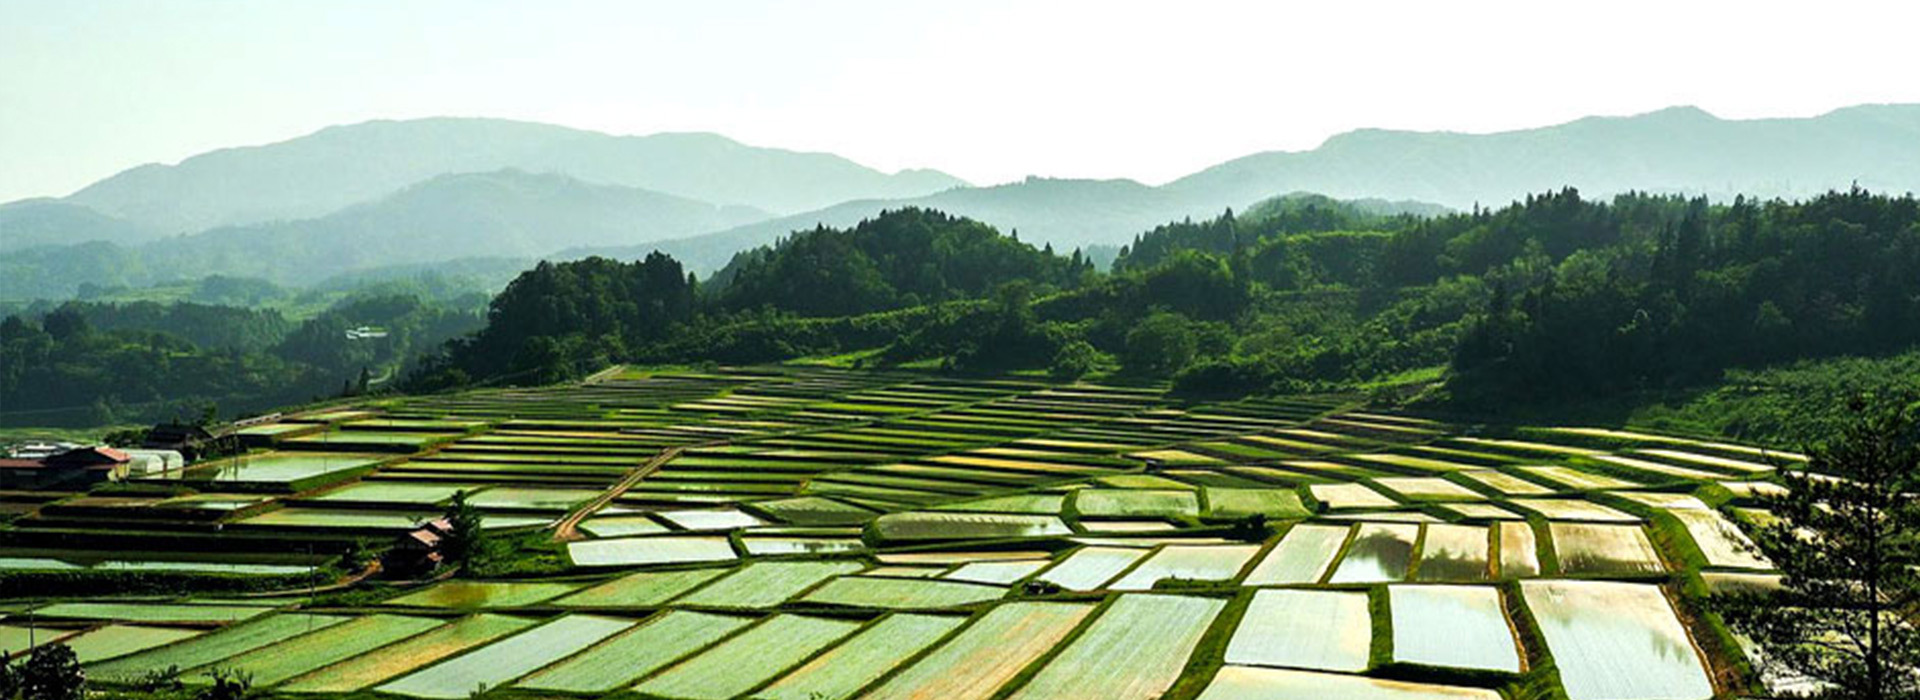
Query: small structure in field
(154, 461)
(418, 551)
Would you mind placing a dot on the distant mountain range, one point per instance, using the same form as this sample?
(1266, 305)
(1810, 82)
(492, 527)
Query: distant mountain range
(385, 194)
(1677, 150)
(502, 214)
(1682, 150)
(341, 166)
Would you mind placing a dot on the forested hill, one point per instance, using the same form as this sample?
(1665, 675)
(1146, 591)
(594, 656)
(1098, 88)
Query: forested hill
(1552, 297)
(560, 319)
(1270, 221)
(98, 364)
(906, 257)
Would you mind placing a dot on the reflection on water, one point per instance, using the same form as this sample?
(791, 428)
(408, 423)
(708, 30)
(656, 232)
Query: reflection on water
(1379, 552)
(1590, 548)
(1454, 626)
(1450, 567)
(1616, 640)
(1454, 553)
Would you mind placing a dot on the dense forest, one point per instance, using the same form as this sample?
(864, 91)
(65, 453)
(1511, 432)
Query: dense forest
(88, 363)
(1548, 298)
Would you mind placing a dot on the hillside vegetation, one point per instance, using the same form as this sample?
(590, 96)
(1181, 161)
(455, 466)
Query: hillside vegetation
(1551, 299)
(101, 363)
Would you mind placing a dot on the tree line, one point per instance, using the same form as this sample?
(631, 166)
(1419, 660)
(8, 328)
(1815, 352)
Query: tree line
(1549, 297)
(98, 363)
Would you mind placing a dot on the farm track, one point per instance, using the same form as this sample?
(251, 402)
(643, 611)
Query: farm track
(602, 375)
(568, 529)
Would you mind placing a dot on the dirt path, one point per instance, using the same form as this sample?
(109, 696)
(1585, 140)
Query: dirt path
(603, 375)
(568, 529)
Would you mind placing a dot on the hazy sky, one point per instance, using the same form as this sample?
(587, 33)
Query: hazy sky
(989, 91)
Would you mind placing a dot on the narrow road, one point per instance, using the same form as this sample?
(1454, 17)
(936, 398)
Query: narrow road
(603, 375)
(568, 529)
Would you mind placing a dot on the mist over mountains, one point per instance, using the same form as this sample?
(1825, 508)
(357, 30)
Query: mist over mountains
(344, 165)
(407, 193)
(1680, 150)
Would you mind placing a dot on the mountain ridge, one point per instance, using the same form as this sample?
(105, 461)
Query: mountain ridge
(501, 214)
(338, 166)
(1682, 150)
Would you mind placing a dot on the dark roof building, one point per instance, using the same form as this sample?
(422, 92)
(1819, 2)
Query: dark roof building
(85, 465)
(193, 441)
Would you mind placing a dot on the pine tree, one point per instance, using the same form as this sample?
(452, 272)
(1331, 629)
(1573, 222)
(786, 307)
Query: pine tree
(1844, 543)
(465, 536)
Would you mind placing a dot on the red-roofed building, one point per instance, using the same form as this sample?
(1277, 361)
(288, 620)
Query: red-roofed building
(98, 455)
(80, 466)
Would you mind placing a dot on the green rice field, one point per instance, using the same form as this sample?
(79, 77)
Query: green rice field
(748, 659)
(841, 671)
(508, 659)
(636, 653)
(381, 664)
(829, 533)
(281, 468)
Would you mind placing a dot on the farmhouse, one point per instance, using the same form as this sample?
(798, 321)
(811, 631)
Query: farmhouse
(79, 466)
(418, 551)
(193, 441)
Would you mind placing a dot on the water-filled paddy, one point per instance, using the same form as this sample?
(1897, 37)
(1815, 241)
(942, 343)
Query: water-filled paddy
(1452, 626)
(1615, 640)
(1379, 552)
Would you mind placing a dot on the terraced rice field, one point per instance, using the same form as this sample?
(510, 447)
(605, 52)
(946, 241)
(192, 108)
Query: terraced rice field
(837, 534)
(1089, 567)
(748, 659)
(862, 659)
(766, 584)
(1620, 640)
(900, 594)
(1302, 556)
(114, 641)
(281, 468)
(1112, 659)
(1250, 683)
(641, 551)
(1454, 553)
(985, 656)
(506, 660)
(1324, 630)
(134, 612)
(213, 647)
(484, 594)
(1379, 552)
(636, 653)
(1591, 548)
(1453, 627)
(644, 589)
(386, 662)
(278, 662)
